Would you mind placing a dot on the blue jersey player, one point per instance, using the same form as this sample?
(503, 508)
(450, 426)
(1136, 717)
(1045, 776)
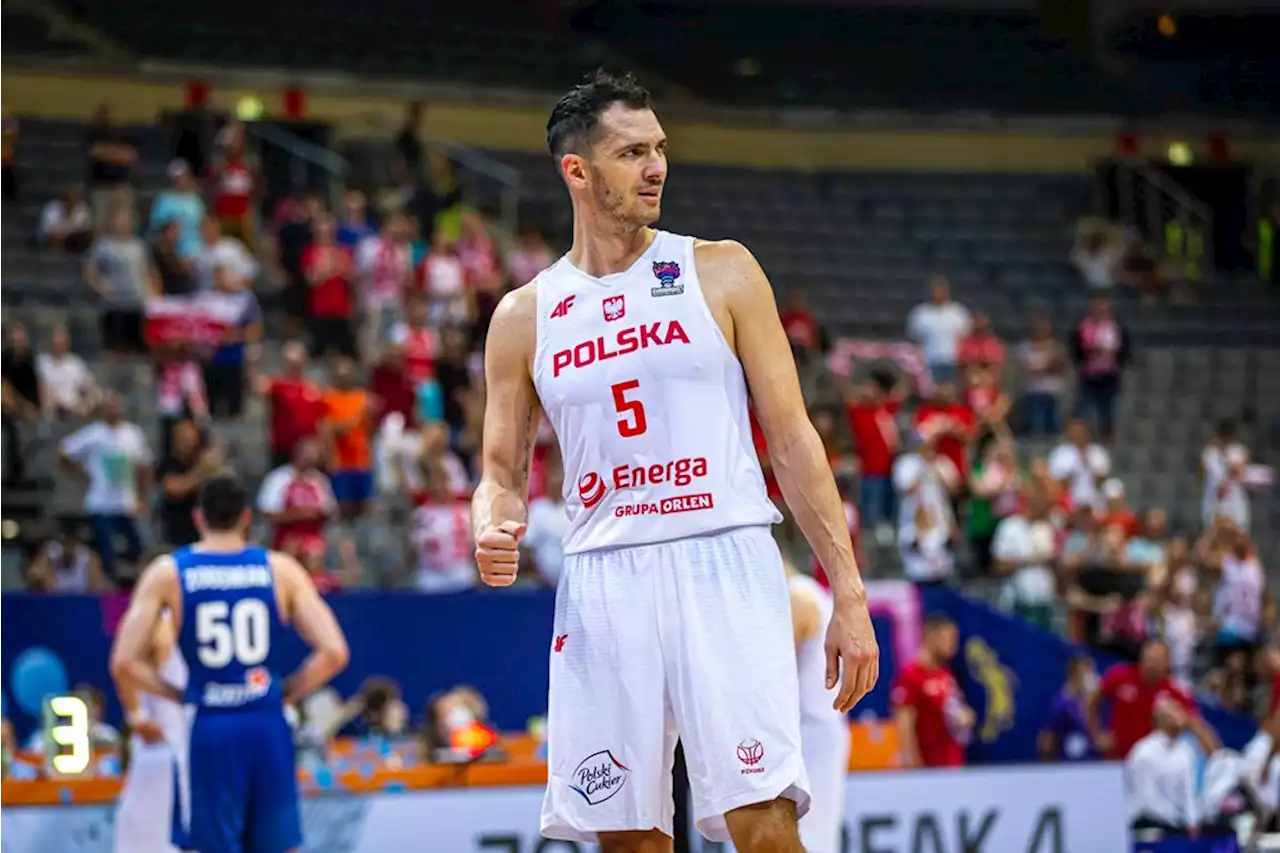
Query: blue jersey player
(237, 785)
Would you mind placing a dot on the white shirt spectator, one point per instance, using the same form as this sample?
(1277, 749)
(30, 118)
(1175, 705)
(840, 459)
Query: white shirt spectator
(1181, 635)
(544, 536)
(1224, 484)
(938, 329)
(1227, 770)
(286, 487)
(1081, 471)
(66, 379)
(923, 483)
(383, 268)
(1238, 602)
(111, 456)
(1161, 776)
(229, 255)
(1029, 543)
(56, 219)
(442, 539)
(929, 557)
(444, 279)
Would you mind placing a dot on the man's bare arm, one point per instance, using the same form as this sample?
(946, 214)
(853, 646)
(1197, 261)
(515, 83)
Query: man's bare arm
(132, 660)
(315, 623)
(799, 459)
(510, 415)
(806, 618)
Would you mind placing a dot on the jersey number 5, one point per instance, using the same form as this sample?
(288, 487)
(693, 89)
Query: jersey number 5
(631, 421)
(225, 632)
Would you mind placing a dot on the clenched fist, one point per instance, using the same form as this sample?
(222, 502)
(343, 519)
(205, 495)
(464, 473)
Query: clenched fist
(498, 553)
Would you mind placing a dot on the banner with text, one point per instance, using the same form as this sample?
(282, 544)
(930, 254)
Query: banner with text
(1043, 809)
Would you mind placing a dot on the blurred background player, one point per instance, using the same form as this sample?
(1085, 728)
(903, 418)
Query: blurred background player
(158, 728)
(239, 791)
(824, 731)
(934, 723)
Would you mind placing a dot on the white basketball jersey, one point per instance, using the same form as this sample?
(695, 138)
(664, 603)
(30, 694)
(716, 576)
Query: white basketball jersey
(171, 717)
(811, 658)
(648, 402)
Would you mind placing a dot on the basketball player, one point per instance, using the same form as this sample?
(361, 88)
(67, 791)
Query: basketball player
(672, 614)
(824, 731)
(238, 790)
(144, 813)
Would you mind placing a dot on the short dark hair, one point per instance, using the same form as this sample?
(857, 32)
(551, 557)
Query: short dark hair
(576, 116)
(222, 502)
(934, 621)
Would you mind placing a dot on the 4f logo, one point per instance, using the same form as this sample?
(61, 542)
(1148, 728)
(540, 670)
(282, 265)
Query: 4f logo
(558, 645)
(562, 308)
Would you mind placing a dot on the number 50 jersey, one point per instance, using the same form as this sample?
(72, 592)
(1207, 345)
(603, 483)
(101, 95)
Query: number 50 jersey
(229, 622)
(648, 402)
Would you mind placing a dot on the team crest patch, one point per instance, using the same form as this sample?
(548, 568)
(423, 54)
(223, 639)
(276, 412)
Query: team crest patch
(667, 273)
(615, 307)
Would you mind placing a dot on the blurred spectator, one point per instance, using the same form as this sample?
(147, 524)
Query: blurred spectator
(384, 271)
(421, 343)
(1145, 549)
(926, 482)
(407, 143)
(65, 224)
(530, 257)
(180, 389)
(439, 201)
(985, 397)
(934, 724)
(803, 329)
(21, 375)
(476, 251)
(938, 326)
(383, 713)
(1115, 511)
(350, 413)
(1131, 691)
(872, 409)
(297, 215)
(112, 156)
(179, 475)
(355, 225)
(1160, 772)
(181, 203)
(236, 178)
(1141, 269)
(1177, 622)
(1097, 253)
(119, 270)
(453, 373)
(1044, 366)
(452, 711)
(69, 389)
(226, 372)
(66, 565)
(296, 404)
(981, 348)
(1023, 549)
(112, 454)
(397, 441)
(443, 279)
(8, 145)
(1079, 466)
(441, 532)
(1066, 737)
(1238, 605)
(1223, 464)
(547, 523)
(297, 500)
(177, 276)
(223, 262)
(995, 490)
(1100, 348)
(950, 421)
(326, 265)
(394, 196)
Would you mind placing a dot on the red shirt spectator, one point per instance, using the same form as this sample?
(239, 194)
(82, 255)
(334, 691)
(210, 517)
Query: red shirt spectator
(327, 267)
(234, 182)
(299, 502)
(1133, 697)
(389, 382)
(475, 251)
(981, 346)
(296, 404)
(801, 327)
(958, 419)
(931, 691)
(874, 425)
(421, 342)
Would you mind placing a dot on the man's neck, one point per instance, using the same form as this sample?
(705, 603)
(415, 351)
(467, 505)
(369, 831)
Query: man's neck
(608, 250)
(222, 541)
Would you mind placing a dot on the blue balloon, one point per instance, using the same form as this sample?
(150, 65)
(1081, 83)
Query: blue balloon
(37, 673)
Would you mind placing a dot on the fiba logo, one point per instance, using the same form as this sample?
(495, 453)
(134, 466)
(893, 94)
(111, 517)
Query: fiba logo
(590, 489)
(751, 753)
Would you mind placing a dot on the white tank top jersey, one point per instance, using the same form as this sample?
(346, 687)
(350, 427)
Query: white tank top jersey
(811, 658)
(171, 717)
(648, 402)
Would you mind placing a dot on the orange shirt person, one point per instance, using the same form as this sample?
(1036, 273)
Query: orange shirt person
(348, 422)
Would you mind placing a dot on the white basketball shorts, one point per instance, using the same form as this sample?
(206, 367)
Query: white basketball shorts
(144, 812)
(826, 759)
(689, 639)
